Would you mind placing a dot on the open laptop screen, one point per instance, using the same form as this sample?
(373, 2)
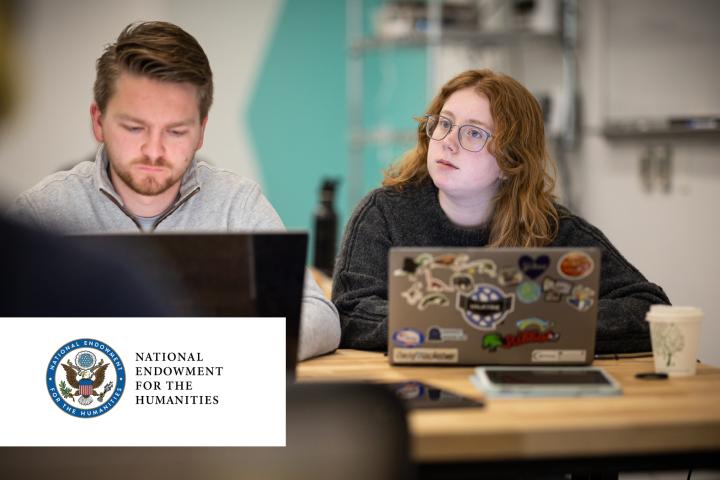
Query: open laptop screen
(219, 274)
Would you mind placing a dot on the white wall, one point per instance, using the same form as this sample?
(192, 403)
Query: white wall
(655, 58)
(57, 44)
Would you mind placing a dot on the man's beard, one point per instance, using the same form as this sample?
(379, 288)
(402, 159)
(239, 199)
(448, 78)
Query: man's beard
(146, 185)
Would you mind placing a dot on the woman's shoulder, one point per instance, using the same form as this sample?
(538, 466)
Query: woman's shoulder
(574, 230)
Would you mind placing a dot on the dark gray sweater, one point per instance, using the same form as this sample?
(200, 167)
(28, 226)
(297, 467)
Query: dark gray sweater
(387, 218)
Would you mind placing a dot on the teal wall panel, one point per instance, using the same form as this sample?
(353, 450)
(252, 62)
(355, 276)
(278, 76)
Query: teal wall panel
(297, 114)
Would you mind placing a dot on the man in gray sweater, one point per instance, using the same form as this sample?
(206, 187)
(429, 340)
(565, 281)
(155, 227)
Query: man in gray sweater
(153, 92)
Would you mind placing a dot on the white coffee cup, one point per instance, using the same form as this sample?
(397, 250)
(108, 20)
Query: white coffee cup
(675, 335)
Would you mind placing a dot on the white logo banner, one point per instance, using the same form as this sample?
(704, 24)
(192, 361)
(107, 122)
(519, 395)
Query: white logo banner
(185, 381)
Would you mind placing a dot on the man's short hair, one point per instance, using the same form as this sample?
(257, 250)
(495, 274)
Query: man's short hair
(158, 50)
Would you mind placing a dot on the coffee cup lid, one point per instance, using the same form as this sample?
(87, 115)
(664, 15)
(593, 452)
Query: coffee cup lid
(669, 312)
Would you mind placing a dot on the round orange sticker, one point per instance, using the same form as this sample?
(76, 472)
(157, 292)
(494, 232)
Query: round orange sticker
(575, 265)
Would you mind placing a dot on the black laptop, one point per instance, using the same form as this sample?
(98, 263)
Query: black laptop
(219, 274)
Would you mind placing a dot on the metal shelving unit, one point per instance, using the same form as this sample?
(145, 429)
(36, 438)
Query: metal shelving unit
(432, 39)
(472, 39)
(661, 130)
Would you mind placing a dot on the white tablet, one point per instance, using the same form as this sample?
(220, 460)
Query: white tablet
(544, 381)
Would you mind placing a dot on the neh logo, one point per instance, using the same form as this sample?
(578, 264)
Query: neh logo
(85, 378)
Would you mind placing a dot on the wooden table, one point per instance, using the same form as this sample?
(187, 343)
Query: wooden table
(678, 416)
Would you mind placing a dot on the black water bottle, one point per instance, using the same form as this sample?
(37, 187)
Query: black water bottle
(326, 228)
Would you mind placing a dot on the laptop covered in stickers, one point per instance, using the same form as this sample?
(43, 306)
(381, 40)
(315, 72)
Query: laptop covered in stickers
(492, 306)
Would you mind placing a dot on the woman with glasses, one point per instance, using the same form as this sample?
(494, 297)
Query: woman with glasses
(477, 177)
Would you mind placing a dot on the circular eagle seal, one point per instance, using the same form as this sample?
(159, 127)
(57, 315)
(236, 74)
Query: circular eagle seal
(85, 378)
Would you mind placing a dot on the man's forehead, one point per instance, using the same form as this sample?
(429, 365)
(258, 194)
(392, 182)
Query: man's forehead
(129, 77)
(130, 117)
(135, 97)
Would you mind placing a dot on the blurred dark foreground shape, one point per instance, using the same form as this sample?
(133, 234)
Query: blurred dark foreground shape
(348, 431)
(43, 275)
(334, 431)
(218, 274)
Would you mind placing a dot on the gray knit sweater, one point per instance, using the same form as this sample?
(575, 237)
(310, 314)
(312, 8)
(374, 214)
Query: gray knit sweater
(387, 218)
(83, 200)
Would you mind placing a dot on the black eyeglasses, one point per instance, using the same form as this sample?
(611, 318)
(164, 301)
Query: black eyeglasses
(471, 137)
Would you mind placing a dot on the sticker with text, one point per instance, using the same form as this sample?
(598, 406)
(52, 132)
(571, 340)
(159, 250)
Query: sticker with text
(85, 378)
(530, 330)
(485, 307)
(408, 337)
(425, 355)
(555, 290)
(440, 334)
(533, 267)
(558, 356)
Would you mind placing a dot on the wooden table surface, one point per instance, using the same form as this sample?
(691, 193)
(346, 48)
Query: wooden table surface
(677, 415)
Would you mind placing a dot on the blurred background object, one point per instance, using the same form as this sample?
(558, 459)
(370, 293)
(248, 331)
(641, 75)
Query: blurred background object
(334, 431)
(326, 228)
(6, 82)
(401, 19)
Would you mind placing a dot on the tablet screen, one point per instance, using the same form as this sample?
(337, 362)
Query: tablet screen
(546, 377)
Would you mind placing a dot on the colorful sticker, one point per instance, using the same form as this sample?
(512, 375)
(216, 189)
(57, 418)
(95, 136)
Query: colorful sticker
(409, 267)
(424, 260)
(460, 260)
(510, 276)
(558, 356)
(530, 330)
(462, 282)
(493, 341)
(408, 337)
(528, 292)
(410, 390)
(533, 267)
(555, 290)
(434, 299)
(445, 260)
(432, 276)
(553, 297)
(434, 284)
(425, 355)
(533, 323)
(480, 267)
(485, 307)
(560, 287)
(438, 334)
(581, 298)
(413, 294)
(575, 265)
(434, 334)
